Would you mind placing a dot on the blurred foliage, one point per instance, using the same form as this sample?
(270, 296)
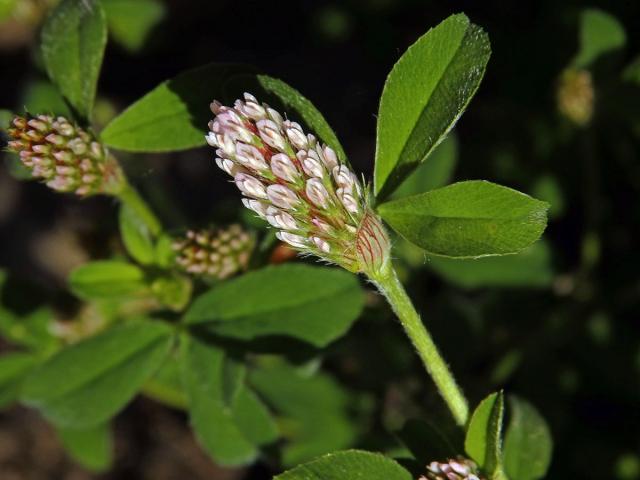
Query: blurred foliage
(556, 324)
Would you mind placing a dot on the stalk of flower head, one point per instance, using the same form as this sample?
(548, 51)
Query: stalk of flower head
(70, 159)
(319, 207)
(214, 252)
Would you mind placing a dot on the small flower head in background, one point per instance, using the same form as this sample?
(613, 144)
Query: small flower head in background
(576, 96)
(298, 185)
(214, 252)
(452, 469)
(63, 155)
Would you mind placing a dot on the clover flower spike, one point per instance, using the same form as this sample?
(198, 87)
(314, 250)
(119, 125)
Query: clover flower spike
(66, 157)
(214, 252)
(298, 184)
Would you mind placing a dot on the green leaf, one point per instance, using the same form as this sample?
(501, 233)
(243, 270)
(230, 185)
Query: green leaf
(106, 279)
(314, 304)
(253, 418)
(91, 447)
(174, 115)
(131, 21)
(13, 368)
(32, 330)
(293, 103)
(600, 33)
(164, 253)
(166, 385)
(348, 465)
(435, 173)
(86, 384)
(482, 442)
(529, 268)
(136, 235)
(468, 219)
(172, 290)
(74, 37)
(424, 95)
(212, 418)
(315, 411)
(44, 97)
(528, 443)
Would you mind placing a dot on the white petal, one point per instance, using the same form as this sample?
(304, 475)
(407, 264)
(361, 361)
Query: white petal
(270, 134)
(228, 166)
(296, 135)
(212, 139)
(229, 119)
(255, 205)
(350, 203)
(250, 157)
(292, 239)
(329, 157)
(282, 167)
(281, 219)
(252, 108)
(343, 177)
(317, 193)
(216, 107)
(459, 468)
(311, 163)
(226, 144)
(321, 225)
(250, 186)
(322, 245)
(282, 197)
(275, 116)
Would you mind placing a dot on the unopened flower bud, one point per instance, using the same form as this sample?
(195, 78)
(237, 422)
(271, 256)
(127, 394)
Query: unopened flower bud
(271, 134)
(316, 193)
(214, 252)
(284, 168)
(293, 239)
(296, 135)
(64, 156)
(281, 219)
(257, 206)
(311, 163)
(250, 186)
(250, 157)
(228, 166)
(282, 197)
(306, 192)
(251, 108)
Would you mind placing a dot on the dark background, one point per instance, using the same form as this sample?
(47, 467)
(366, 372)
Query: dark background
(338, 54)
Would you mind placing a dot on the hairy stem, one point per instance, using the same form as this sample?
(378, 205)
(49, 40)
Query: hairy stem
(389, 285)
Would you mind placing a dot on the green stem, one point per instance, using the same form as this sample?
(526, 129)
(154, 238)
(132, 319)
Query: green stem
(389, 285)
(130, 197)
